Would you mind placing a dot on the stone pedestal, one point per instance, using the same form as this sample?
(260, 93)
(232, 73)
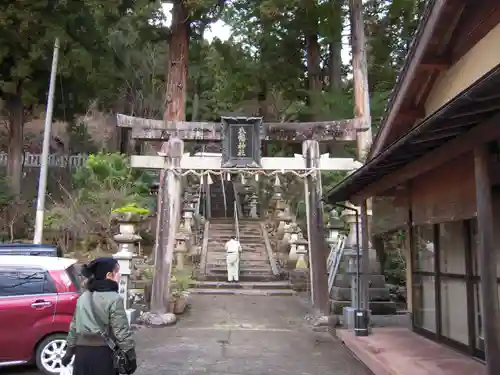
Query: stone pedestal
(126, 240)
(343, 293)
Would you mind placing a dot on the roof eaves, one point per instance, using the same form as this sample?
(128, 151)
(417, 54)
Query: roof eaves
(431, 6)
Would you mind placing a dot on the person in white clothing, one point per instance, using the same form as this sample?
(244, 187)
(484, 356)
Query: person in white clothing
(233, 249)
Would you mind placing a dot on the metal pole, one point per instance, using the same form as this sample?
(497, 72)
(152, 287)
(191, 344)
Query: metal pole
(42, 181)
(361, 317)
(358, 264)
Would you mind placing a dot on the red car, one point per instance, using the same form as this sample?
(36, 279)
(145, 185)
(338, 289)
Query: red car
(37, 299)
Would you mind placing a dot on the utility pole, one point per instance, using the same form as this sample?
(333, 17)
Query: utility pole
(42, 180)
(364, 134)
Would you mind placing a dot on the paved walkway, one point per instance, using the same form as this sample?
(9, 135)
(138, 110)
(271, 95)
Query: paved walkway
(243, 335)
(239, 335)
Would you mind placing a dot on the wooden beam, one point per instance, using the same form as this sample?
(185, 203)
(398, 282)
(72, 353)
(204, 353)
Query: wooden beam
(411, 114)
(148, 129)
(285, 164)
(439, 64)
(484, 132)
(487, 260)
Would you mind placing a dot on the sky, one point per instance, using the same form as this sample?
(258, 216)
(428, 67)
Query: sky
(222, 31)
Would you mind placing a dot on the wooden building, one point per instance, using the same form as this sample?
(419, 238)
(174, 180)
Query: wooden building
(434, 173)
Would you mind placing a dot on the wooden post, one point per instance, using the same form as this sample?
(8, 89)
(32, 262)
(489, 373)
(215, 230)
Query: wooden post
(315, 229)
(360, 78)
(487, 261)
(170, 219)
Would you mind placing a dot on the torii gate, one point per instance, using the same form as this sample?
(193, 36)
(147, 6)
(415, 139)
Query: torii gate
(241, 150)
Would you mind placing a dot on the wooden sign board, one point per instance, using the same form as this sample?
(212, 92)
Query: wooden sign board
(241, 142)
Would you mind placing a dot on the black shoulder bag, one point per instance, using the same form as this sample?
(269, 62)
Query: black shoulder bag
(120, 359)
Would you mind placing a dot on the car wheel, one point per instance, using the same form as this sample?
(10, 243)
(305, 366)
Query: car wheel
(49, 354)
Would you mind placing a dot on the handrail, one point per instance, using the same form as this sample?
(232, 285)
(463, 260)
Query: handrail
(223, 194)
(197, 213)
(198, 202)
(272, 260)
(204, 248)
(334, 260)
(236, 222)
(236, 214)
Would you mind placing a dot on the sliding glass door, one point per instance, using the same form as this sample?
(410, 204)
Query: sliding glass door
(424, 278)
(453, 282)
(446, 303)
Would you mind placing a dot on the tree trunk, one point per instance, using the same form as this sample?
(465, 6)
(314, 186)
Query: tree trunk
(262, 99)
(174, 111)
(177, 65)
(16, 143)
(335, 47)
(124, 133)
(314, 73)
(196, 101)
(314, 63)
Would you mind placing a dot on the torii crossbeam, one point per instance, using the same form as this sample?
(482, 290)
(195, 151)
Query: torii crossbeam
(323, 131)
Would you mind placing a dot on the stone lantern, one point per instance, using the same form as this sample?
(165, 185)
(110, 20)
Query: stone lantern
(187, 216)
(294, 236)
(126, 239)
(334, 226)
(253, 206)
(284, 218)
(181, 249)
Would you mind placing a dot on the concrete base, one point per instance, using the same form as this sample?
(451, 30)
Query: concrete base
(376, 307)
(379, 295)
(157, 320)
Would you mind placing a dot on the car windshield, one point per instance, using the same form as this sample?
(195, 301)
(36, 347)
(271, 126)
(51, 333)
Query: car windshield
(75, 275)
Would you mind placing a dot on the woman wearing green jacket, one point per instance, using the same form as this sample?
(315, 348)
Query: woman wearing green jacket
(93, 355)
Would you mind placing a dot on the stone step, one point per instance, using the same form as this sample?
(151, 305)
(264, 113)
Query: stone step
(245, 245)
(246, 248)
(242, 285)
(244, 292)
(222, 268)
(243, 265)
(232, 232)
(243, 277)
(222, 257)
(247, 257)
(244, 238)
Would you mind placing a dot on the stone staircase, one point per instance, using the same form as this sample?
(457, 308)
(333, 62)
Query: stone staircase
(256, 276)
(218, 190)
(254, 261)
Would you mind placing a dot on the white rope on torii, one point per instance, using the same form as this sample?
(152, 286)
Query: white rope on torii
(244, 173)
